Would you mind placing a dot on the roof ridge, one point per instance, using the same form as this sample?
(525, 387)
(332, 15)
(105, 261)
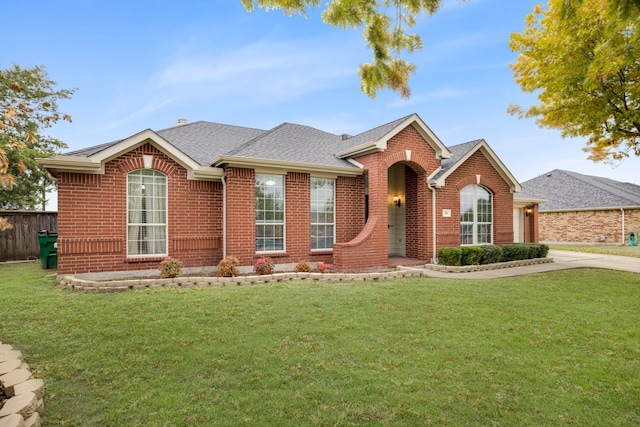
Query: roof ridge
(254, 140)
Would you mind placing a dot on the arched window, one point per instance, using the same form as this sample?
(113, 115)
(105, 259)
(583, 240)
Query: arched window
(476, 216)
(146, 213)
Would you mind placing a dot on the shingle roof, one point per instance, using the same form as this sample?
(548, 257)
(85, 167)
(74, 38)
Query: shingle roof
(372, 134)
(457, 152)
(201, 141)
(294, 143)
(567, 190)
(205, 141)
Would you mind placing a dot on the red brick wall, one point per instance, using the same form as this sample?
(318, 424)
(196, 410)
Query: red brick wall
(369, 250)
(92, 218)
(448, 197)
(350, 207)
(241, 217)
(587, 226)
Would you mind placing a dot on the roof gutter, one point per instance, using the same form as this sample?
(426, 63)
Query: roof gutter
(254, 163)
(59, 163)
(607, 208)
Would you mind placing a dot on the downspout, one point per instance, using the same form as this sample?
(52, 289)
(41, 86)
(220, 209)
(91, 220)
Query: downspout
(622, 210)
(224, 215)
(434, 260)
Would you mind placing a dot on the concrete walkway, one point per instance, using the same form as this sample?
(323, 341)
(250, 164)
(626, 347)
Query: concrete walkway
(563, 260)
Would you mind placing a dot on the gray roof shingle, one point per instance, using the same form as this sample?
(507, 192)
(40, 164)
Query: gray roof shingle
(567, 190)
(294, 143)
(204, 141)
(457, 152)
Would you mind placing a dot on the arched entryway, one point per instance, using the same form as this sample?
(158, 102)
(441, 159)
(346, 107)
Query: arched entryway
(408, 217)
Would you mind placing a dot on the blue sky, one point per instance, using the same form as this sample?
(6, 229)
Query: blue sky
(142, 64)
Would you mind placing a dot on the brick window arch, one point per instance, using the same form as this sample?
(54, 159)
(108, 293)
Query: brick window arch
(146, 213)
(476, 215)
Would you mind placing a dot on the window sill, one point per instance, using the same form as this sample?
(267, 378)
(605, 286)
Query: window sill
(154, 258)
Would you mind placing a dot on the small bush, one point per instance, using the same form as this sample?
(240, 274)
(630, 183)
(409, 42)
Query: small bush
(323, 267)
(514, 252)
(490, 254)
(470, 255)
(520, 251)
(227, 267)
(449, 256)
(263, 265)
(303, 267)
(544, 250)
(170, 268)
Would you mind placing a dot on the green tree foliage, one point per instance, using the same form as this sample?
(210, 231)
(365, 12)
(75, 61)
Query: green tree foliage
(28, 105)
(384, 23)
(581, 58)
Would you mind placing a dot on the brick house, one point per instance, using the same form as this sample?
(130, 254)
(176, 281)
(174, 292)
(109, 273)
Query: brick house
(583, 208)
(200, 191)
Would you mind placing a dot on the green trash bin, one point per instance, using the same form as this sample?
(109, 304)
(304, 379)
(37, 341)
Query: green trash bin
(48, 248)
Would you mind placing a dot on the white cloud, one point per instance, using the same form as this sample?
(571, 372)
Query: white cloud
(264, 71)
(428, 97)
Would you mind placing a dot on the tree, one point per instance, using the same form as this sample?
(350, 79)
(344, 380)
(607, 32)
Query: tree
(581, 58)
(384, 22)
(28, 105)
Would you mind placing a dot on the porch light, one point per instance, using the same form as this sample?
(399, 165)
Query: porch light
(397, 201)
(528, 211)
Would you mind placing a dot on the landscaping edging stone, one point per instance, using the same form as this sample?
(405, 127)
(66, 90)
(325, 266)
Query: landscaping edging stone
(485, 267)
(25, 394)
(105, 286)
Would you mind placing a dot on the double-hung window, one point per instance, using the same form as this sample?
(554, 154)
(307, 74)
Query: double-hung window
(323, 216)
(146, 213)
(476, 216)
(270, 213)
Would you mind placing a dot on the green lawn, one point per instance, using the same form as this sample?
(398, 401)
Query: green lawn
(632, 251)
(561, 349)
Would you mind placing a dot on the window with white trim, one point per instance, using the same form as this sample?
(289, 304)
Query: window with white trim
(146, 213)
(323, 216)
(476, 216)
(269, 213)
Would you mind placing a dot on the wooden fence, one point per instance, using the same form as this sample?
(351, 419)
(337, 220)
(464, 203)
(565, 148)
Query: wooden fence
(21, 241)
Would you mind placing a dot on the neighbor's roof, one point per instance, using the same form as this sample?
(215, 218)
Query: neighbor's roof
(565, 190)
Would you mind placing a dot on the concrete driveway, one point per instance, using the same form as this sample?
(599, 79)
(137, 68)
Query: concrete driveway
(563, 260)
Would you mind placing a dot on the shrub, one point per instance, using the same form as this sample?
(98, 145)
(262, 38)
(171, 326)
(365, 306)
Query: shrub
(323, 267)
(519, 251)
(228, 267)
(470, 255)
(544, 250)
(449, 256)
(170, 268)
(303, 267)
(514, 252)
(490, 254)
(263, 265)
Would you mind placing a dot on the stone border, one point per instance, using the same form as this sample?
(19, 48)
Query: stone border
(104, 286)
(25, 394)
(76, 284)
(485, 267)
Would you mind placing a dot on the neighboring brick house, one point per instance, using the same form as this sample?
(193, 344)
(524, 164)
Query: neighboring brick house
(583, 208)
(200, 191)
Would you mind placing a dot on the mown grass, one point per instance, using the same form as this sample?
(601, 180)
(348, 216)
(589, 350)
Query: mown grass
(561, 348)
(632, 251)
